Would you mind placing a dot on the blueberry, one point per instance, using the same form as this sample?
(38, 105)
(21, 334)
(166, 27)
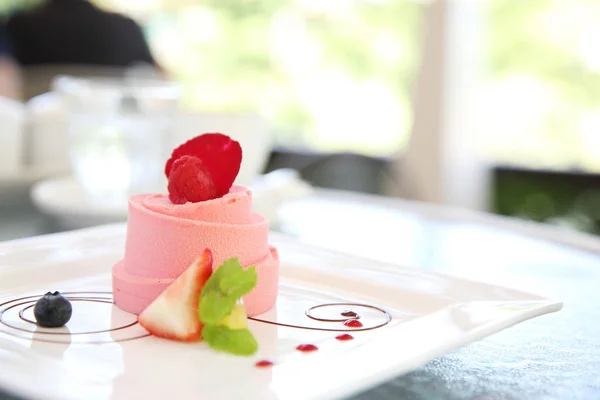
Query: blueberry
(52, 310)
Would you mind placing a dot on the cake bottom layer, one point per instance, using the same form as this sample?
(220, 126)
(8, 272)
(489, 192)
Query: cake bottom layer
(133, 293)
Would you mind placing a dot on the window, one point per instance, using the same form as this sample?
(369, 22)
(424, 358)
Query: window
(331, 75)
(337, 75)
(541, 105)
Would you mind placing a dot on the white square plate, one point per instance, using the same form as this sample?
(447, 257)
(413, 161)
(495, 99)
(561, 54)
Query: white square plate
(104, 354)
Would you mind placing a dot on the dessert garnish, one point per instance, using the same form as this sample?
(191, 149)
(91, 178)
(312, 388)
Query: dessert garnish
(223, 315)
(306, 348)
(349, 314)
(205, 305)
(191, 181)
(214, 157)
(264, 363)
(52, 310)
(174, 314)
(353, 323)
(344, 337)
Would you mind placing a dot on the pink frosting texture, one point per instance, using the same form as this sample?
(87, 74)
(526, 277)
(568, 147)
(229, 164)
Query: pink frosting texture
(163, 239)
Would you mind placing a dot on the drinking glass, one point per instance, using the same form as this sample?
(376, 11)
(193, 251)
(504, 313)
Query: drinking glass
(118, 134)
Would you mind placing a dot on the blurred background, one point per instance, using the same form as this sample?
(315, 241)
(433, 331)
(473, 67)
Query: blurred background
(489, 105)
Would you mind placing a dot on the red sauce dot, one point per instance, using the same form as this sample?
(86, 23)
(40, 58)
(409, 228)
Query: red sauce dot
(307, 347)
(264, 363)
(344, 337)
(353, 323)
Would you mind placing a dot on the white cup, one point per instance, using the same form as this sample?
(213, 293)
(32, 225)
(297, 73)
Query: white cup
(250, 129)
(48, 139)
(12, 122)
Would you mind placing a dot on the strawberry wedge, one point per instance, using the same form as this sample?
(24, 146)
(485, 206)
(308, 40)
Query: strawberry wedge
(174, 314)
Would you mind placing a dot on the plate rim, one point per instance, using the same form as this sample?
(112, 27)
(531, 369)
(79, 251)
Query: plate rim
(544, 308)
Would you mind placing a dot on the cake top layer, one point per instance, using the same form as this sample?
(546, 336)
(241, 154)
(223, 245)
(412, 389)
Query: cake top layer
(233, 208)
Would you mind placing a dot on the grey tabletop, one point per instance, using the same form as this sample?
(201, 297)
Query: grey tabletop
(552, 357)
(556, 356)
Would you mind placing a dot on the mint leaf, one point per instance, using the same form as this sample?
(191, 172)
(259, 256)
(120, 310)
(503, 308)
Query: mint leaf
(214, 307)
(238, 282)
(232, 279)
(226, 285)
(239, 341)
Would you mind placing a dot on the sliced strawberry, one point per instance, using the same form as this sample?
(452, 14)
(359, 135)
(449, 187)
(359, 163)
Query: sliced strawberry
(174, 314)
(219, 153)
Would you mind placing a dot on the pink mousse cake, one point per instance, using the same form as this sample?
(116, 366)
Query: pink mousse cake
(164, 238)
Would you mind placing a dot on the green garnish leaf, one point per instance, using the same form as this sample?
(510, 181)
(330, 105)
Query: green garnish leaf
(233, 280)
(228, 283)
(239, 341)
(238, 282)
(214, 307)
(225, 286)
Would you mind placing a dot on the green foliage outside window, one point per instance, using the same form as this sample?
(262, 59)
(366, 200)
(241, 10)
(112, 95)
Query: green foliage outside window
(338, 75)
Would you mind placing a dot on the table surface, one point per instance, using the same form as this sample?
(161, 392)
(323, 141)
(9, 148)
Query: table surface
(556, 356)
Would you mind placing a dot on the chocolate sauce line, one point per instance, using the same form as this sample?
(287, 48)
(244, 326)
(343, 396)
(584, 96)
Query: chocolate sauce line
(30, 302)
(63, 293)
(347, 313)
(387, 315)
(75, 333)
(22, 312)
(56, 333)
